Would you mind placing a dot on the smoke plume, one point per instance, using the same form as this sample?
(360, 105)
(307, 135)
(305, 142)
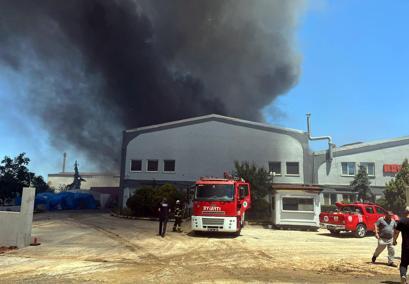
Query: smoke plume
(97, 67)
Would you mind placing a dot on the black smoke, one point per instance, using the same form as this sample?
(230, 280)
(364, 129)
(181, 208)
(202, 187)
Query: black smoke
(96, 67)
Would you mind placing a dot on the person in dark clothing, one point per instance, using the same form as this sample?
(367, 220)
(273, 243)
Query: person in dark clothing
(163, 210)
(178, 217)
(403, 227)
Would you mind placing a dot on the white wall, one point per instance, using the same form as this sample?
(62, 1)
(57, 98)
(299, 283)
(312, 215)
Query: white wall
(298, 218)
(15, 227)
(393, 155)
(210, 149)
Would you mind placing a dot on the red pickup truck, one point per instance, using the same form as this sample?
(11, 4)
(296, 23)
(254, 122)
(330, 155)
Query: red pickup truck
(358, 218)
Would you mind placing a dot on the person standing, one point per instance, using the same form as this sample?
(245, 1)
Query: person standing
(384, 230)
(403, 227)
(163, 217)
(178, 217)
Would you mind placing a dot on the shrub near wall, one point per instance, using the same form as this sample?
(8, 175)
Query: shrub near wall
(259, 210)
(145, 201)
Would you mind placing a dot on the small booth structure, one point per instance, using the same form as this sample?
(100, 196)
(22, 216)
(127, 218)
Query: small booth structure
(295, 205)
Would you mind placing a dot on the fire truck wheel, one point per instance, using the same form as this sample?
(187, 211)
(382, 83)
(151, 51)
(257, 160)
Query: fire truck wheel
(360, 231)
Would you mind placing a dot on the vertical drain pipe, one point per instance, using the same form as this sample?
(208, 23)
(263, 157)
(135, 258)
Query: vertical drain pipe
(329, 138)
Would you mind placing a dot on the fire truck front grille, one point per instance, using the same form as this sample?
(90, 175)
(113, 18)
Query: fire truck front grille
(212, 222)
(213, 212)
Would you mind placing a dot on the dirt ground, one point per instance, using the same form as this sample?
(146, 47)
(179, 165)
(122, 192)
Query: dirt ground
(94, 247)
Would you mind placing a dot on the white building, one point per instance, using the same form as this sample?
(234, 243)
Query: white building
(181, 152)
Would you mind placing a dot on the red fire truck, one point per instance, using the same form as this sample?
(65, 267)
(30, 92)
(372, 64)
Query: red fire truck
(220, 204)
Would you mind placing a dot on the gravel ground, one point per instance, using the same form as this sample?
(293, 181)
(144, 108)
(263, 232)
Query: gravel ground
(94, 247)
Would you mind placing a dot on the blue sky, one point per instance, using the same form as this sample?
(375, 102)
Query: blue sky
(354, 81)
(355, 71)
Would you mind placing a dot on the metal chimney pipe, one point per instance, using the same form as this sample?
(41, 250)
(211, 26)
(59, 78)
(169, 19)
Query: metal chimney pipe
(63, 162)
(329, 138)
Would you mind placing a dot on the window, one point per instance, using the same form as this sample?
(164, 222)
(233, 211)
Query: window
(326, 199)
(243, 190)
(274, 167)
(352, 209)
(334, 198)
(379, 210)
(298, 204)
(293, 168)
(152, 166)
(370, 168)
(136, 165)
(348, 168)
(169, 166)
(369, 210)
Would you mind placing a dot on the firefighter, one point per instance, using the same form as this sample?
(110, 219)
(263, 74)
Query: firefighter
(163, 217)
(178, 217)
(403, 227)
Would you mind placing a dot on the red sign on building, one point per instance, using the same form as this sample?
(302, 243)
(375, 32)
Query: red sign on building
(391, 168)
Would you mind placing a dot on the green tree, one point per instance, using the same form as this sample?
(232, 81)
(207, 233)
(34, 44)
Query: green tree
(259, 178)
(145, 201)
(14, 175)
(361, 185)
(395, 192)
(39, 184)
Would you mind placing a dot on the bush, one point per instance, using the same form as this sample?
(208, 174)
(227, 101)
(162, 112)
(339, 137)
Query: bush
(259, 210)
(145, 201)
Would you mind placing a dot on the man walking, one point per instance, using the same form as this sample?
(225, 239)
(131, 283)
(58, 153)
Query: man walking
(178, 217)
(384, 229)
(163, 217)
(403, 226)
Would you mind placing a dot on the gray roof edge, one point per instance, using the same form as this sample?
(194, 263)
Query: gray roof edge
(377, 144)
(199, 119)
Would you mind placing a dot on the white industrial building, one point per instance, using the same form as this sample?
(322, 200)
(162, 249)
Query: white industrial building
(58, 181)
(181, 152)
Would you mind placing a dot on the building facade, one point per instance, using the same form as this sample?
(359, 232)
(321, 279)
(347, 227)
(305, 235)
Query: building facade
(181, 152)
(381, 159)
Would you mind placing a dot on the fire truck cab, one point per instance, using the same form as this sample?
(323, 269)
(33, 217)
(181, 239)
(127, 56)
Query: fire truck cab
(220, 204)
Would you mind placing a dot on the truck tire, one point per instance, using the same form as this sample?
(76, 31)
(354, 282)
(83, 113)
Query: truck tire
(334, 232)
(360, 231)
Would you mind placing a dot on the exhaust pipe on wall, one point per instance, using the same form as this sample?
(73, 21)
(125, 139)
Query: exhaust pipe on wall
(329, 138)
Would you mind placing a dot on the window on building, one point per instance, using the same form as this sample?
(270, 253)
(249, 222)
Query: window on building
(169, 166)
(369, 210)
(348, 168)
(274, 167)
(370, 168)
(333, 198)
(326, 199)
(293, 168)
(136, 165)
(152, 165)
(298, 204)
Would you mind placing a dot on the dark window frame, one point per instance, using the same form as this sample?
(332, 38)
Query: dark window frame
(310, 199)
(157, 165)
(164, 166)
(292, 174)
(271, 170)
(131, 166)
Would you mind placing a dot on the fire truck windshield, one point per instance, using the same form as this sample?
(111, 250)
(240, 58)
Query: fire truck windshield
(214, 192)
